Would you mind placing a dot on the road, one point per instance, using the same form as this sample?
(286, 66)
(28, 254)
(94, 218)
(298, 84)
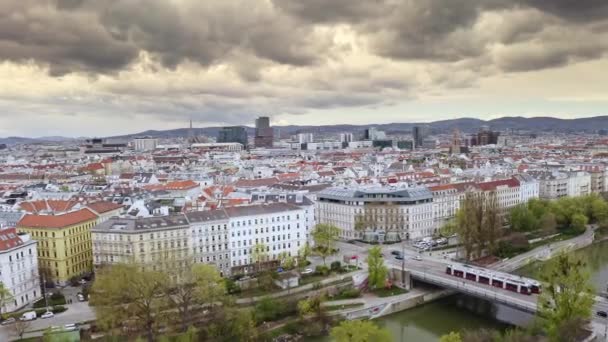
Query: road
(77, 312)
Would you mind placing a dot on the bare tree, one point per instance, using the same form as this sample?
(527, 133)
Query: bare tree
(19, 328)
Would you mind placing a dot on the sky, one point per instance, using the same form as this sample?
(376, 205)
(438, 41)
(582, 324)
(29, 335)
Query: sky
(99, 68)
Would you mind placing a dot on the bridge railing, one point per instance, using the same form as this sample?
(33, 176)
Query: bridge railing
(473, 289)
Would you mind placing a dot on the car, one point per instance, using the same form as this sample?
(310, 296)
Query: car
(8, 321)
(28, 316)
(70, 327)
(82, 281)
(418, 258)
(442, 241)
(602, 314)
(395, 252)
(399, 257)
(307, 271)
(48, 314)
(80, 297)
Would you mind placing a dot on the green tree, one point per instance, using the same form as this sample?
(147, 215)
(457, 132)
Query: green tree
(599, 209)
(478, 223)
(579, 222)
(325, 236)
(5, 296)
(259, 254)
(303, 253)
(230, 324)
(191, 292)
(451, 337)
(548, 223)
(567, 297)
(522, 219)
(128, 295)
(359, 331)
(376, 268)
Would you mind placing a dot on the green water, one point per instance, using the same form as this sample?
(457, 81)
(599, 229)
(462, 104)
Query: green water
(427, 323)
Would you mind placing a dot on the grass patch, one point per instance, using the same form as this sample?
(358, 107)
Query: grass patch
(258, 292)
(343, 306)
(386, 292)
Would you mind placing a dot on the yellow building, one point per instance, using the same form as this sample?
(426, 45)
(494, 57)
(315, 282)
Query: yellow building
(64, 242)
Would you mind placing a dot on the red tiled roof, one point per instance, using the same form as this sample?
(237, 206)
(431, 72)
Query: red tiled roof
(9, 239)
(487, 186)
(56, 221)
(442, 187)
(101, 207)
(48, 205)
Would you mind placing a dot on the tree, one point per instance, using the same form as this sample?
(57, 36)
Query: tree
(325, 236)
(5, 296)
(303, 254)
(230, 324)
(599, 209)
(377, 270)
(259, 255)
(548, 223)
(568, 296)
(126, 294)
(579, 222)
(478, 223)
(359, 331)
(451, 337)
(19, 328)
(191, 291)
(522, 219)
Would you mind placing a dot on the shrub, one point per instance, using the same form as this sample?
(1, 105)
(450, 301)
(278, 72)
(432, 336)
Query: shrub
(59, 309)
(349, 293)
(336, 266)
(322, 270)
(57, 296)
(316, 286)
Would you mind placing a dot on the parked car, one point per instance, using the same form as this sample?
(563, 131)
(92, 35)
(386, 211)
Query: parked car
(418, 258)
(442, 241)
(399, 257)
(70, 327)
(47, 314)
(28, 316)
(307, 271)
(80, 297)
(602, 314)
(8, 321)
(395, 252)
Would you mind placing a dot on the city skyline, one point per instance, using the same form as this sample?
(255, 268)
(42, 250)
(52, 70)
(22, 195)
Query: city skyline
(125, 70)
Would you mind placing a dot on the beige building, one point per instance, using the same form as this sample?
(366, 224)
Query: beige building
(157, 243)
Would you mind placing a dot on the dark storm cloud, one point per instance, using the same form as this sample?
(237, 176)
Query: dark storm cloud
(94, 36)
(106, 36)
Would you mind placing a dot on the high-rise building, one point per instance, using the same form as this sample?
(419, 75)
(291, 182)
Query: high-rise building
(264, 134)
(230, 134)
(485, 136)
(346, 137)
(373, 133)
(144, 143)
(304, 138)
(419, 133)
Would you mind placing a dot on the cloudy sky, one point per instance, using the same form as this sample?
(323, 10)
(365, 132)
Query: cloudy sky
(90, 67)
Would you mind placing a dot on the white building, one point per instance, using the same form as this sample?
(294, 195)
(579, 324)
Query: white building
(145, 144)
(281, 227)
(346, 137)
(305, 138)
(386, 213)
(555, 184)
(209, 231)
(19, 269)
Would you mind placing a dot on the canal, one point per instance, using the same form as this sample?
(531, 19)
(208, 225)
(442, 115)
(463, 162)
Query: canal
(457, 313)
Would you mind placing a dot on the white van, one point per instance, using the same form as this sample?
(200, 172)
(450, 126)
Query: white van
(28, 316)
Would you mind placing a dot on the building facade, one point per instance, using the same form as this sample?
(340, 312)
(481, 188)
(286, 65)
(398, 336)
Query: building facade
(18, 269)
(378, 213)
(64, 243)
(233, 134)
(264, 135)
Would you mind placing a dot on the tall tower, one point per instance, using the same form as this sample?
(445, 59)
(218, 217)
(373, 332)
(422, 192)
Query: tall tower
(455, 148)
(190, 132)
(264, 135)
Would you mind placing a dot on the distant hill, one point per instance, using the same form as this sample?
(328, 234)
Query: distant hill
(535, 124)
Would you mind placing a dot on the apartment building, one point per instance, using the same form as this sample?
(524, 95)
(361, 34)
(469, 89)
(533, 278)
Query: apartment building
(281, 227)
(64, 242)
(209, 231)
(18, 269)
(160, 243)
(553, 185)
(377, 213)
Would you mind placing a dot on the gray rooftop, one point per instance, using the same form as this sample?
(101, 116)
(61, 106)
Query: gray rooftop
(370, 194)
